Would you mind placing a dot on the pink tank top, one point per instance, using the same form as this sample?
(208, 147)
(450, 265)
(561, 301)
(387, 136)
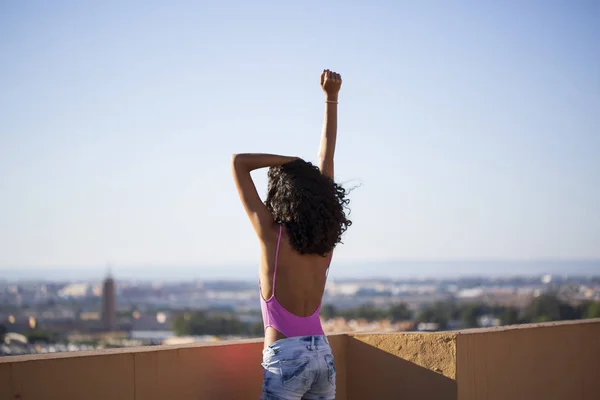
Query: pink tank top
(276, 316)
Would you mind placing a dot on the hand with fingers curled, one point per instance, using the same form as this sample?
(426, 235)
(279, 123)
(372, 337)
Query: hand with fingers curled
(331, 82)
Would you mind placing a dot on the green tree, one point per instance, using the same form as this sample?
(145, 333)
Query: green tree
(399, 312)
(592, 310)
(257, 329)
(509, 316)
(328, 311)
(37, 335)
(365, 311)
(3, 332)
(438, 312)
(369, 312)
(469, 316)
(546, 307)
(199, 323)
(181, 325)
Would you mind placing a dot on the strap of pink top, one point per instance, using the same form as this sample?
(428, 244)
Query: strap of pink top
(276, 259)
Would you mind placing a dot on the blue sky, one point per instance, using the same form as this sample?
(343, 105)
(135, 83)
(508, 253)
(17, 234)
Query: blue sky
(472, 128)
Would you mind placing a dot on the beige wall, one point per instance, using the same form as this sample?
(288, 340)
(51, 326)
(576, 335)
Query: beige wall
(401, 366)
(555, 361)
(166, 372)
(548, 361)
(230, 370)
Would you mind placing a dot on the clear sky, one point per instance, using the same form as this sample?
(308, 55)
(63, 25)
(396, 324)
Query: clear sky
(472, 128)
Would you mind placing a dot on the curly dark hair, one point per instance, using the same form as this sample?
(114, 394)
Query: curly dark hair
(310, 205)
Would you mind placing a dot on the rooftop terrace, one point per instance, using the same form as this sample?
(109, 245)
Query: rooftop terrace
(538, 361)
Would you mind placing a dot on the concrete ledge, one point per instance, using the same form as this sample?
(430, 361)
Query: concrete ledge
(551, 361)
(127, 350)
(215, 370)
(557, 360)
(578, 322)
(402, 366)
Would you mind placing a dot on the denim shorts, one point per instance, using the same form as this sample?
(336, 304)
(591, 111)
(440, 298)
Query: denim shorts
(298, 368)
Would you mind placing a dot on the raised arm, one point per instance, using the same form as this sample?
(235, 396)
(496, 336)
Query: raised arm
(330, 83)
(241, 165)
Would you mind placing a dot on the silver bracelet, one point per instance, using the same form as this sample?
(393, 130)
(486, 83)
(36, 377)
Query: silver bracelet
(331, 101)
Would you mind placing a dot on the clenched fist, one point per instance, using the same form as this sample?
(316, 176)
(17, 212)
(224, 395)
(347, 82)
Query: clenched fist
(331, 83)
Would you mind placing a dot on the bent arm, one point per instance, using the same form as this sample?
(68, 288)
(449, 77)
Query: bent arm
(251, 161)
(242, 165)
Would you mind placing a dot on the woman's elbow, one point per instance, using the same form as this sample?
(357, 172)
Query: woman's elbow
(235, 160)
(238, 162)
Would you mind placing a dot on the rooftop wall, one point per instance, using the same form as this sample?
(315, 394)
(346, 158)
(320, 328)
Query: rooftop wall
(544, 361)
(401, 366)
(547, 361)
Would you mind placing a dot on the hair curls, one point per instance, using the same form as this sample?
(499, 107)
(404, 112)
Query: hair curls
(310, 205)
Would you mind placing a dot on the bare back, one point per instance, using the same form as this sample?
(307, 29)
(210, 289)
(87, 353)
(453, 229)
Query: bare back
(300, 279)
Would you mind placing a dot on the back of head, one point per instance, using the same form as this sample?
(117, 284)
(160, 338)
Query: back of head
(310, 205)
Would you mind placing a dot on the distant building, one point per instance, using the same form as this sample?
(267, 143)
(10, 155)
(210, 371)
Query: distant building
(109, 305)
(75, 290)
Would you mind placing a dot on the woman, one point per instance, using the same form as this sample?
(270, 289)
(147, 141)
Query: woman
(298, 227)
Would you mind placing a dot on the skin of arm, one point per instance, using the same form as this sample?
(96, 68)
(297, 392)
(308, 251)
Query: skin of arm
(242, 165)
(330, 83)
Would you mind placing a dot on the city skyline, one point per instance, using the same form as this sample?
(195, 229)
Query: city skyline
(399, 269)
(471, 131)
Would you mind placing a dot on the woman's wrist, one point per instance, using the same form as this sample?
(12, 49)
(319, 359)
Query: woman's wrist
(331, 98)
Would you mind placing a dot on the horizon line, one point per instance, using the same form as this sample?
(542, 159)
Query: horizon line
(115, 266)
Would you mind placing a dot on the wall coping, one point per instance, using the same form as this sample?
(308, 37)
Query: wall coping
(123, 350)
(526, 326)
